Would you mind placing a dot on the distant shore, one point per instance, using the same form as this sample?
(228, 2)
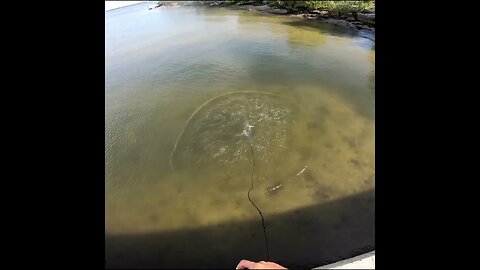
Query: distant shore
(364, 20)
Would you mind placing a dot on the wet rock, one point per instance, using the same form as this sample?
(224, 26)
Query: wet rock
(361, 26)
(261, 8)
(302, 15)
(334, 14)
(298, 15)
(278, 11)
(340, 22)
(366, 18)
(314, 11)
(324, 14)
(351, 18)
(364, 27)
(369, 11)
(166, 5)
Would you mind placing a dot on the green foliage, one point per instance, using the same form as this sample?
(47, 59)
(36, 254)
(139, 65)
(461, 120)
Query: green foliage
(342, 7)
(352, 6)
(335, 6)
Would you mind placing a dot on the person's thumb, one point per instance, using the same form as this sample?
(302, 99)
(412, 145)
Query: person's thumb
(245, 264)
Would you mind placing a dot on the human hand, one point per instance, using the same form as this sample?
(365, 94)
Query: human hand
(246, 264)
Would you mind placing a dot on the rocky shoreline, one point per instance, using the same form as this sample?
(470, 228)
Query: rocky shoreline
(166, 4)
(363, 21)
(359, 21)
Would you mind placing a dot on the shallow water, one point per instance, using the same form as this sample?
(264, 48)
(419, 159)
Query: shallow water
(180, 86)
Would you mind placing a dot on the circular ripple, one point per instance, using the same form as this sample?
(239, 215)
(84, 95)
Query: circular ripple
(212, 137)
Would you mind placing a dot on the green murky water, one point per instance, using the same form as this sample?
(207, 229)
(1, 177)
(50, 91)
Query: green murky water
(180, 86)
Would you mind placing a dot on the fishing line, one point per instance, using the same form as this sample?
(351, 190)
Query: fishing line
(248, 134)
